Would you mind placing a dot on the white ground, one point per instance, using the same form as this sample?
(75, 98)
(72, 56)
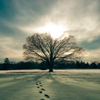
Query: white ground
(59, 85)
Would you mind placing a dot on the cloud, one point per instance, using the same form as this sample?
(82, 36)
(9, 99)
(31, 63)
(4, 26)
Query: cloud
(91, 55)
(95, 44)
(10, 49)
(79, 18)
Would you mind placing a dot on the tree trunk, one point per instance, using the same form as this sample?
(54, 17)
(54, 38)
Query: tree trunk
(51, 61)
(51, 69)
(51, 66)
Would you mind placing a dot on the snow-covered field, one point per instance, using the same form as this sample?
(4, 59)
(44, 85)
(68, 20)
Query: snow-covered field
(42, 85)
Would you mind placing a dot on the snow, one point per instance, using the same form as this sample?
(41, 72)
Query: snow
(42, 85)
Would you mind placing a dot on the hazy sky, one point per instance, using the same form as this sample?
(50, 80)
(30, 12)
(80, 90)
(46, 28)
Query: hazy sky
(21, 18)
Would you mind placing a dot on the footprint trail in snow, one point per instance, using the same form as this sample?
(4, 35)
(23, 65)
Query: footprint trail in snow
(39, 85)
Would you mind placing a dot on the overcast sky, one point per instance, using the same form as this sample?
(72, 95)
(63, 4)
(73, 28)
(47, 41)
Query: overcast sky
(21, 18)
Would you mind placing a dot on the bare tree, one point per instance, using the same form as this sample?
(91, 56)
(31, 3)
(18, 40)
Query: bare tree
(42, 47)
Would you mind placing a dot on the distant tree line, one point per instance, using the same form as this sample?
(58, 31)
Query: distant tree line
(7, 65)
(76, 65)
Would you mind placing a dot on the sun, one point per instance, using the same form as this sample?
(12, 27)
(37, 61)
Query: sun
(55, 30)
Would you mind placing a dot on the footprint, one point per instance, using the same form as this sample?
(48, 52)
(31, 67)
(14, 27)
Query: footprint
(41, 99)
(41, 85)
(46, 95)
(40, 92)
(36, 84)
(38, 87)
(43, 89)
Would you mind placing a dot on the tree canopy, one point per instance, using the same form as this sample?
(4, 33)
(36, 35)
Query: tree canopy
(42, 47)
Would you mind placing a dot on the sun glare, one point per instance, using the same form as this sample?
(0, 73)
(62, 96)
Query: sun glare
(55, 30)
